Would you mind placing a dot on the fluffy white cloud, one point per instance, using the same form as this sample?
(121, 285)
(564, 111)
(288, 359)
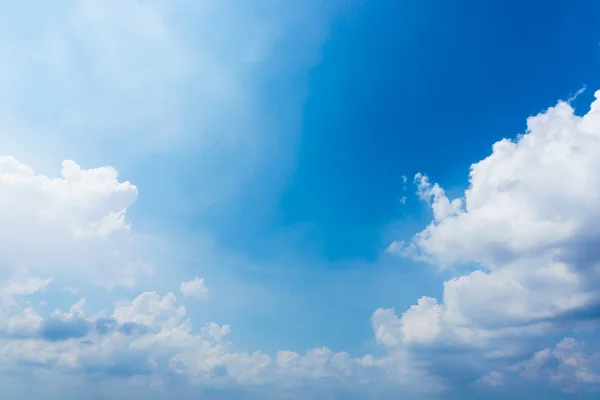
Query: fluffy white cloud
(215, 331)
(72, 224)
(529, 226)
(194, 288)
(387, 327)
(151, 336)
(533, 196)
(421, 323)
(150, 309)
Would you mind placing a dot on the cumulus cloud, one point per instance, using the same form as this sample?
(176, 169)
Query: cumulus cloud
(529, 227)
(74, 224)
(194, 288)
(15, 319)
(150, 335)
(569, 365)
(25, 323)
(538, 193)
(215, 331)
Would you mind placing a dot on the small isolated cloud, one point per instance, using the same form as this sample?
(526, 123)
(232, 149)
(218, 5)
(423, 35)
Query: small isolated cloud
(194, 288)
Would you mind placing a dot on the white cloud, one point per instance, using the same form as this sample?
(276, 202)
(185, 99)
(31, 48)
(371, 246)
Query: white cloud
(529, 225)
(569, 365)
(21, 288)
(16, 321)
(421, 322)
(194, 288)
(22, 324)
(216, 331)
(530, 196)
(151, 336)
(73, 224)
(387, 327)
(150, 309)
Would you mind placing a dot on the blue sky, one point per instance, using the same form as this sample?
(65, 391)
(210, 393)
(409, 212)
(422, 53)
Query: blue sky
(324, 206)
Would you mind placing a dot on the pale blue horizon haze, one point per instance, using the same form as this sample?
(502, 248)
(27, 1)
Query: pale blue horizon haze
(343, 199)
